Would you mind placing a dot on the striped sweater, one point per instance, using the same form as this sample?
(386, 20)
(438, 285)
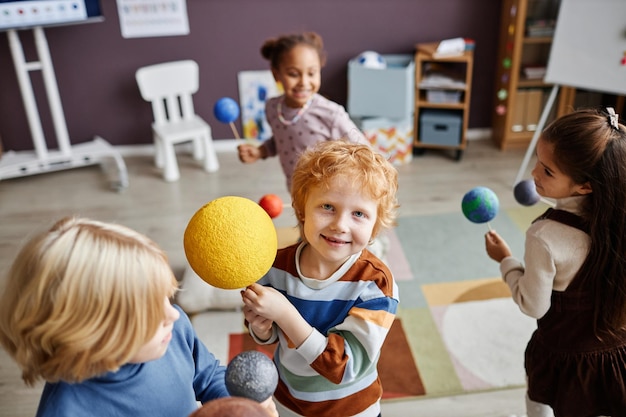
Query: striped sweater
(333, 372)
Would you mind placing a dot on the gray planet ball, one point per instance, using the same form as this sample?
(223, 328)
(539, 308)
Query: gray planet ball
(525, 193)
(251, 374)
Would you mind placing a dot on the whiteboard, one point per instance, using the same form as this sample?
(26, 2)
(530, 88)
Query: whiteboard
(588, 46)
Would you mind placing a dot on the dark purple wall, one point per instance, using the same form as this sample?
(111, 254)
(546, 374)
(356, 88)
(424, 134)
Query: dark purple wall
(95, 66)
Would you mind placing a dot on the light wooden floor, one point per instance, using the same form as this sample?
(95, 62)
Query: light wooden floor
(431, 183)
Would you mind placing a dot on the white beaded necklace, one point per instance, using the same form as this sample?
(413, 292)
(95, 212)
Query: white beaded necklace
(296, 117)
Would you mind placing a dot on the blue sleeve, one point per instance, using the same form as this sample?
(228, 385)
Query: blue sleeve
(208, 381)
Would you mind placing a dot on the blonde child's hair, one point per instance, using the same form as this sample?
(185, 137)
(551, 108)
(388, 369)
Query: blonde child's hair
(81, 299)
(368, 170)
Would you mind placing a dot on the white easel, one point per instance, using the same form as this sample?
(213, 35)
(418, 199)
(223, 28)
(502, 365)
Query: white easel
(540, 125)
(588, 59)
(19, 164)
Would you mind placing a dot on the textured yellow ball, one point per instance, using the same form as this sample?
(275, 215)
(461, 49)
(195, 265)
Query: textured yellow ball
(230, 242)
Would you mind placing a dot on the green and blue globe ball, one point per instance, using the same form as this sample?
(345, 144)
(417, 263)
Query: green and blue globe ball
(480, 205)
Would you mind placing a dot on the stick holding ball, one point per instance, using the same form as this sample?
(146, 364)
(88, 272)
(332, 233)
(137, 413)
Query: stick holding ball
(251, 374)
(480, 205)
(230, 242)
(226, 110)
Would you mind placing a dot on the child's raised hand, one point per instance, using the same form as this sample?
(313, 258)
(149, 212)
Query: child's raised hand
(268, 303)
(265, 301)
(248, 153)
(496, 247)
(261, 326)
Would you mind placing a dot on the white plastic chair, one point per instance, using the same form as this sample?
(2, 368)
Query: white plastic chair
(169, 87)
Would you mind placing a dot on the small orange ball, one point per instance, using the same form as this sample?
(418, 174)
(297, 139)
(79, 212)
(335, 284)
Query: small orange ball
(272, 204)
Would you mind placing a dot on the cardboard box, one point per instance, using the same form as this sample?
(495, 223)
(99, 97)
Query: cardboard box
(440, 127)
(385, 92)
(391, 137)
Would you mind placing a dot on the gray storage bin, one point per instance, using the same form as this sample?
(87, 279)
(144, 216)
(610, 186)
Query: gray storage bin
(385, 92)
(440, 127)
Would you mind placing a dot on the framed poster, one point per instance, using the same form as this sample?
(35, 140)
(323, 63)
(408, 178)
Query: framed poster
(152, 18)
(255, 87)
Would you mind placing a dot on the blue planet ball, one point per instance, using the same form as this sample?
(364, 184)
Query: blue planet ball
(480, 205)
(226, 110)
(525, 193)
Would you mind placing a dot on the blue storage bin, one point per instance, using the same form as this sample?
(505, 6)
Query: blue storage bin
(440, 127)
(385, 92)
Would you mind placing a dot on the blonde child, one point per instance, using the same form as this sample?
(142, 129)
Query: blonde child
(87, 309)
(328, 302)
(300, 117)
(573, 279)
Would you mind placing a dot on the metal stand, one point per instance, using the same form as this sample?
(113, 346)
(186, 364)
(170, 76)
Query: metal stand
(537, 134)
(41, 160)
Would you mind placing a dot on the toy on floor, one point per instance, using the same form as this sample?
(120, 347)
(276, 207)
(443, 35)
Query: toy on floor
(480, 205)
(226, 110)
(272, 204)
(525, 193)
(230, 407)
(251, 374)
(230, 242)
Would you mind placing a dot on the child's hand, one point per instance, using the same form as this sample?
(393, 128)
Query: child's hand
(270, 406)
(496, 247)
(260, 326)
(266, 302)
(270, 304)
(248, 153)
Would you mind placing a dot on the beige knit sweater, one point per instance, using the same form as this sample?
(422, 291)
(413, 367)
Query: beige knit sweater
(554, 252)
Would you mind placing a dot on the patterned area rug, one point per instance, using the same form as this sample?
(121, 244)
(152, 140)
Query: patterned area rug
(457, 329)
(464, 330)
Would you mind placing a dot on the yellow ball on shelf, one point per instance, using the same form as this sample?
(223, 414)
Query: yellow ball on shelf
(230, 242)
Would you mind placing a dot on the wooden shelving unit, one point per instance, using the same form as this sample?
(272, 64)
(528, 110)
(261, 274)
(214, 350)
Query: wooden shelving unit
(522, 45)
(456, 96)
(515, 115)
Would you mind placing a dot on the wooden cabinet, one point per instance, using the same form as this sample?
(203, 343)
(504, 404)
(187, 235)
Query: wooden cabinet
(443, 87)
(526, 33)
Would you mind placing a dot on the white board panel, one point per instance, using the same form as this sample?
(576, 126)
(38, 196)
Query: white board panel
(589, 45)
